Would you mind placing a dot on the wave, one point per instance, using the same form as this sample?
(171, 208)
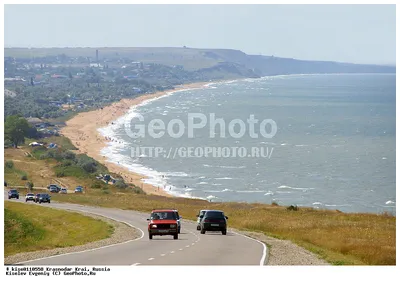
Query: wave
(226, 190)
(223, 178)
(389, 202)
(295, 188)
(177, 174)
(251, 191)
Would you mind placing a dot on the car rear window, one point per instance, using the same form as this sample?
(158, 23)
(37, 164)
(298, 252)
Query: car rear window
(163, 215)
(214, 214)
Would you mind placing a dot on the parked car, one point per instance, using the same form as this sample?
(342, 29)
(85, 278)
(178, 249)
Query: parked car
(200, 217)
(213, 220)
(13, 194)
(163, 222)
(29, 197)
(54, 188)
(178, 219)
(63, 191)
(79, 189)
(42, 198)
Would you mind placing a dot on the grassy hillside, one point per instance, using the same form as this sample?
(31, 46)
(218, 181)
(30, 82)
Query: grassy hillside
(30, 228)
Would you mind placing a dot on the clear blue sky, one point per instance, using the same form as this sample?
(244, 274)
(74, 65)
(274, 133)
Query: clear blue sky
(347, 33)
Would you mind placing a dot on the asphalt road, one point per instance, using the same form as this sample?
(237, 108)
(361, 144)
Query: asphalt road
(192, 248)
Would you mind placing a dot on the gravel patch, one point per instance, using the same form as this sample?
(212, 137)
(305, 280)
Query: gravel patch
(284, 252)
(122, 233)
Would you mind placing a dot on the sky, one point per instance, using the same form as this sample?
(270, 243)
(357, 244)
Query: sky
(344, 33)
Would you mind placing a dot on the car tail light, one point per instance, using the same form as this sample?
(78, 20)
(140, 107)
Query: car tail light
(222, 220)
(207, 220)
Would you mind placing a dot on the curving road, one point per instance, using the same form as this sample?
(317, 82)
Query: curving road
(192, 248)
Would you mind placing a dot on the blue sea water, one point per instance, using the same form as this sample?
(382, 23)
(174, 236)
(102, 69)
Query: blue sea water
(334, 148)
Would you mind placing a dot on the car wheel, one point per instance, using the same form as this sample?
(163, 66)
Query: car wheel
(179, 231)
(17, 198)
(224, 232)
(202, 231)
(49, 202)
(198, 227)
(9, 198)
(150, 236)
(176, 236)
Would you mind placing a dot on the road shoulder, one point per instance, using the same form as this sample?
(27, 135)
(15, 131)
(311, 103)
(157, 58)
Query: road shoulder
(285, 252)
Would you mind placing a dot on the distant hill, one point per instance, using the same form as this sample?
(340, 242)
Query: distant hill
(215, 60)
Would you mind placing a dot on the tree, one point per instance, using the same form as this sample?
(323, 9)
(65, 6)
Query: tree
(15, 129)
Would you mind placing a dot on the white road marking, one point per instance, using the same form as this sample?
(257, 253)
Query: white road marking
(172, 252)
(181, 249)
(187, 246)
(192, 244)
(264, 255)
(150, 258)
(135, 264)
(162, 255)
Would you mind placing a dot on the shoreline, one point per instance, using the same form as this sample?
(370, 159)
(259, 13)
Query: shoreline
(83, 132)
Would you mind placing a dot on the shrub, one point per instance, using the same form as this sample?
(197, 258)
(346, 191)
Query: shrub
(138, 190)
(9, 164)
(24, 177)
(89, 167)
(120, 184)
(274, 204)
(66, 163)
(29, 185)
(68, 155)
(292, 208)
(60, 173)
(96, 185)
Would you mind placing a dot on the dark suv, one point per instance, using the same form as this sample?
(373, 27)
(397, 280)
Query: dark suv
(213, 220)
(42, 198)
(13, 194)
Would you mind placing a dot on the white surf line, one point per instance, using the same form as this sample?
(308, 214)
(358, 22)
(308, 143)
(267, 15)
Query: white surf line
(264, 255)
(95, 249)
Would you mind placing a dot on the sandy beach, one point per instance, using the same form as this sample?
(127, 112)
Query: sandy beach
(83, 132)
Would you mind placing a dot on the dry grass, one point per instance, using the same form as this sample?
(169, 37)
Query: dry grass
(40, 172)
(339, 238)
(31, 228)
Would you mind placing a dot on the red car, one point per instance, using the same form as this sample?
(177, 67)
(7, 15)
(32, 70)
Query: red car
(163, 222)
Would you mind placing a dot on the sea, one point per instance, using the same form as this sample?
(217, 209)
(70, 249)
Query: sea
(328, 142)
